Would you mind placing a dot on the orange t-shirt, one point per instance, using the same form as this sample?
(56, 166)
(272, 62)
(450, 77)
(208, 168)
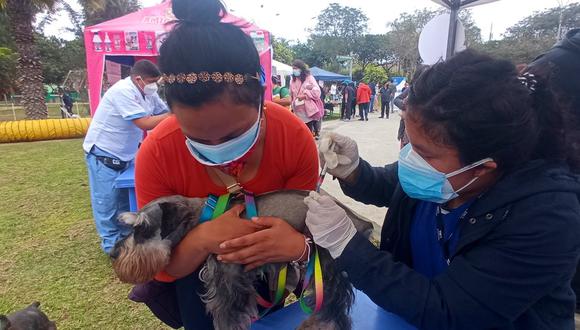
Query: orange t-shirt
(164, 166)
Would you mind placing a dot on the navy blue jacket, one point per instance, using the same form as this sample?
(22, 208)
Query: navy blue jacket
(512, 268)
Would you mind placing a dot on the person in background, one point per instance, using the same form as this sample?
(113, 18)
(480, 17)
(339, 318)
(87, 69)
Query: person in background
(363, 99)
(400, 102)
(561, 65)
(128, 108)
(393, 93)
(67, 101)
(483, 219)
(221, 128)
(373, 87)
(385, 92)
(304, 90)
(280, 95)
(405, 87)
(349, 95)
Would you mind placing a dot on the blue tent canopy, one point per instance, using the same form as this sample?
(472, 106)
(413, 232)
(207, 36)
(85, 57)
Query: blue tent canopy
(324, 75)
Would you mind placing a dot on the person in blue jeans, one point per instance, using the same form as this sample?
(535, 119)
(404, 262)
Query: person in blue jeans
(127, 108)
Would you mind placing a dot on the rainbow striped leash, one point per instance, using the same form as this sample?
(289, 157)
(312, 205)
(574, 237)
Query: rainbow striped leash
(216, 206)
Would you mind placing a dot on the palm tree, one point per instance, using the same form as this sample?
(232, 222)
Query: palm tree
(97, 11)
(21, 15)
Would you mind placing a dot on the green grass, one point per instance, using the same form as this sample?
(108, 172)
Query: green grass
(49, 249)
(6, 113)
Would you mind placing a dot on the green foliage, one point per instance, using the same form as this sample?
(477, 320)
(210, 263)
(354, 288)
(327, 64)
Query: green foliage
(98, 11)
(533, 35)
(345, 23)
(368, 49)
(8, 61)
(374, 73)
(59, 56)
(282, 50)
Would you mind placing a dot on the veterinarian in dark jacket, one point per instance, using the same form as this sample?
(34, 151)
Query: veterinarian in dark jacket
(493, 245)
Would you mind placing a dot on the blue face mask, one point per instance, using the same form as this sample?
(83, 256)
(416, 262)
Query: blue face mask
(296, 73)
(421, 181)
(227, 152)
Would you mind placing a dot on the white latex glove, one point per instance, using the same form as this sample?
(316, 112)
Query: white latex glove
(328, 223)
(340, 153)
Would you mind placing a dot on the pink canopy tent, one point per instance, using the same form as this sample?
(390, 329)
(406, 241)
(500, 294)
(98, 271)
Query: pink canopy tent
(140, 34)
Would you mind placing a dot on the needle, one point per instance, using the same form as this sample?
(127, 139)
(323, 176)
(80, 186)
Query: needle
(321, 177)
(323, 172)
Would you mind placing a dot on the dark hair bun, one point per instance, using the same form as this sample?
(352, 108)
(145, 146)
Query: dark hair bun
(199, 11)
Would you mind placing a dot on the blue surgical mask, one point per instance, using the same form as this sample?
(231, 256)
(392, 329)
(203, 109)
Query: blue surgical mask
(296, 73)
(227, 152)
(421, 181)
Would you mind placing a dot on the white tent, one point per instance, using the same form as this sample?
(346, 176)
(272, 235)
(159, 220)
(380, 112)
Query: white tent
(281, 69)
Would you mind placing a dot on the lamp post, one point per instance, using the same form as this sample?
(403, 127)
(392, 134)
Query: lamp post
(344, 59)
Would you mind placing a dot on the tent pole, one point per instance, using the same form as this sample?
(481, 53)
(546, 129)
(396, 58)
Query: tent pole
(455, 6)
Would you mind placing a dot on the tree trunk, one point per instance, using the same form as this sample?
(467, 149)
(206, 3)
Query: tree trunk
(29, 69)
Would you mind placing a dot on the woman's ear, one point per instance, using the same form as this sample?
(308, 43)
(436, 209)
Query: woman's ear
(486, 168)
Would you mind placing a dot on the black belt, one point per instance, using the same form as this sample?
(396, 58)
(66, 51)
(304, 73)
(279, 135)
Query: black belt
(112, 163)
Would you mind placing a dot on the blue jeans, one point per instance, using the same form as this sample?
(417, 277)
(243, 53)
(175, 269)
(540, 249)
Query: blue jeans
(372, 103)
(107, 202)
(363, 111)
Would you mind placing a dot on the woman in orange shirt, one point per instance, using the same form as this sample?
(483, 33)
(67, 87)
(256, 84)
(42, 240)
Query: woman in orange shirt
(221, 125)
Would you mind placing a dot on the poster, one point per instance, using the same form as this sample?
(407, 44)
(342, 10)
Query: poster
(131, 41)
(149, 38)
(116, 36)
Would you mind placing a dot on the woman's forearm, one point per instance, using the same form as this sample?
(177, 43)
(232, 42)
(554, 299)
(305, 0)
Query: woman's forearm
(188, 255)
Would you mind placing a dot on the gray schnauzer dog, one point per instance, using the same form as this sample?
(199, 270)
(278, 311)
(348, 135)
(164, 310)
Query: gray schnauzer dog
(230, 295)
(29, 318)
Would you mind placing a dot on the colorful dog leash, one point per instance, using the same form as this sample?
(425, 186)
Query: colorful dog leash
(216, 206)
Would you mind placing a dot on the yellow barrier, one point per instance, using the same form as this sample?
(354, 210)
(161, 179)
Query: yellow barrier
(46, 129)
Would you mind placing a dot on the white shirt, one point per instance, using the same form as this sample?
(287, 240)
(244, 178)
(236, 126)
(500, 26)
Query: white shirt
(112, 128)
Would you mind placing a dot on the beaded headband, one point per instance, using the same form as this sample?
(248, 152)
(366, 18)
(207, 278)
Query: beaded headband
(204, 77)
(529, 80)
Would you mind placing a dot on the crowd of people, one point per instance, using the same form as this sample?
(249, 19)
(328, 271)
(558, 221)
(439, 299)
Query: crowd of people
(483, 203)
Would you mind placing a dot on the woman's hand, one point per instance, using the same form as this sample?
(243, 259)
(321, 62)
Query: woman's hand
(301, 97)
(341, 154)
(331, 228)
(204, 239)
(277, 242)
(226, 227)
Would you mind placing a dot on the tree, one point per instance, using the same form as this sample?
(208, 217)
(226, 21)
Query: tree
(533, 35)
(8, 62)
(342, 25)
(367, 49)
(98, 11)
(21, 14)
(404, 38)
(59, 56)
(282, 50)
(374, 73)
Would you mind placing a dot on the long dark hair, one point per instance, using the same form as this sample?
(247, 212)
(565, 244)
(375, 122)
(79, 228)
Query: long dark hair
(200, 42)
(481, 106)
(558, 68)
(304, 70)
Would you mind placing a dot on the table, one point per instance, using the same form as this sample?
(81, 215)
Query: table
(365, 316)
(127, 181)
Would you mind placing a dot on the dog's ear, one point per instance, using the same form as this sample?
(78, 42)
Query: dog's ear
(128, 218)
(4, 322)
(35, 304)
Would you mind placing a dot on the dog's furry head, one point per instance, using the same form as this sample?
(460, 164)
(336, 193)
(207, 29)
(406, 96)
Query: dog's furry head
(157, 228)
(30, 317)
